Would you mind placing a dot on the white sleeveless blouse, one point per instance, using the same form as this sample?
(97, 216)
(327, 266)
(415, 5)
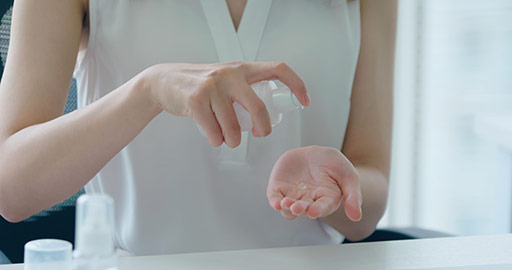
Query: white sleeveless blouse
(174, 192)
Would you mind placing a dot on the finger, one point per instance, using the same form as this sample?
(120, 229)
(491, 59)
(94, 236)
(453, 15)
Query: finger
(246, 97)
(299, 207)
(348, 181)
(286, 203)
(353, 208)
(286, 213)
(259, 71)
(321, 207)
(274, 199)
(205, 118)
(352, 197)
(226, 117)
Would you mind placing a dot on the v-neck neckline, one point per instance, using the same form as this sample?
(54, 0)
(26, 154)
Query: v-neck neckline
(242, 45)
(233, 45)
(231, 15)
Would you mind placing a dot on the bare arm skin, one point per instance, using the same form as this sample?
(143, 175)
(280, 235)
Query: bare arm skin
(348, 189)
(41, 161)
(368, 139)
(46, 157)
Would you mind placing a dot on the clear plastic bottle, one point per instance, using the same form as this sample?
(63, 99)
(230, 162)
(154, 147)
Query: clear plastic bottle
(94, 239)
(278, 100)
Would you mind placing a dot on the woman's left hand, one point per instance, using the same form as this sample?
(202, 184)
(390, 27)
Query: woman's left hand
(312, 181)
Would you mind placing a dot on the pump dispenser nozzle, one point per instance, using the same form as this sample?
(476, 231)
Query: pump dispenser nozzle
(285, 101)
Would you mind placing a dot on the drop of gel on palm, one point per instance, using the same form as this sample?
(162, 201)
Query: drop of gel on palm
(301, 185)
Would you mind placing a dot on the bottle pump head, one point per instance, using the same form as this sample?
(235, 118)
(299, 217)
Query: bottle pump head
(94, 226)
(284, 100)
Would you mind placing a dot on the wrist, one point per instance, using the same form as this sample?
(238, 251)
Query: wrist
(140, 86)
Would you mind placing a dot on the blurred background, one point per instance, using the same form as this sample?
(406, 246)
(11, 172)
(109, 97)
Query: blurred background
(452, 146)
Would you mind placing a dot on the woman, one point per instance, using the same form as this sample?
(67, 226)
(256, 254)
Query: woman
(135, 132)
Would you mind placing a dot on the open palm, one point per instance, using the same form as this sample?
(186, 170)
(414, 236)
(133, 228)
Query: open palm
(312, 181)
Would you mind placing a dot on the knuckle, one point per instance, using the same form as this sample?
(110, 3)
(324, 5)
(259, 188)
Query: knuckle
(236, 63)
(207, 85)
(194, 101)
(221, 73)
(197, 100)
(281, 66)
(241, 65)
(214, 76)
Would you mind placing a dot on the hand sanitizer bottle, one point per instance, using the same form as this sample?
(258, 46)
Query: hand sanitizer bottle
(94, 239)
(277, 100)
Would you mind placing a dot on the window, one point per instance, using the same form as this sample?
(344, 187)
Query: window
(453, 76)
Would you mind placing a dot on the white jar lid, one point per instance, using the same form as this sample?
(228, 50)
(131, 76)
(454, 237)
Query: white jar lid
(51, 254)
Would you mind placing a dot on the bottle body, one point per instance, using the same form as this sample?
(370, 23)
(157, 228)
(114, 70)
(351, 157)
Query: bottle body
(94, 237)
(277, 100)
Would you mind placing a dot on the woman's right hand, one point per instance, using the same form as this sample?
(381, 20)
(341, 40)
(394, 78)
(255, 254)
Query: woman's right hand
(206, 92)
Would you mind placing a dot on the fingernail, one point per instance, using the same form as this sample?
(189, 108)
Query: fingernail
(308, 99)
(361, 213)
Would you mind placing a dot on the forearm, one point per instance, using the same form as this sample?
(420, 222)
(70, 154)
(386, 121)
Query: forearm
(367, 142)
(374, 189)
(43, 164)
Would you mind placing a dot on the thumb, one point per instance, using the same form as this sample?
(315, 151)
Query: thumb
(352, 207)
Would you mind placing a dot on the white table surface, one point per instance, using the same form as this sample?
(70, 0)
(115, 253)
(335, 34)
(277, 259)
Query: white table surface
(473, 253)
